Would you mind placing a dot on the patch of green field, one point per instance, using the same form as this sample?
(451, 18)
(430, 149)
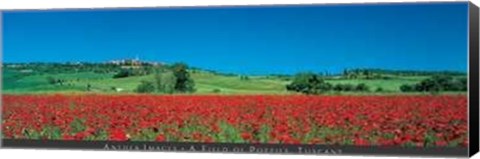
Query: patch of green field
(208, 83)
(15, 82)
(205, 83)
(387, 85)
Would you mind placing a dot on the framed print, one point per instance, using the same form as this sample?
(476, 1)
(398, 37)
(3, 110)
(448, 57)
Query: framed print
(336, 79)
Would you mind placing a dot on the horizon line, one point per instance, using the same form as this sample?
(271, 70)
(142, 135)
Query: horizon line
(237, 73)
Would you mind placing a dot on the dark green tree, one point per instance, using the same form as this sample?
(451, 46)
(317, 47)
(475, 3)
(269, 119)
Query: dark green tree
(123, 73)
(184, 83)
(407, 88)
(51, 80)
(308, 83)
(362, 87)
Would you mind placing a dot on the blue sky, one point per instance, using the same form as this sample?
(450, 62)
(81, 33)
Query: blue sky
(249, 40)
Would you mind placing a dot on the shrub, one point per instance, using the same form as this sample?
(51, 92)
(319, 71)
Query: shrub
(216, 90)
(347, 87)
(145, 87)
(245, 78)
(122, 74)
(437, 83)
(407, 88)
(362, 87)
(51, 80)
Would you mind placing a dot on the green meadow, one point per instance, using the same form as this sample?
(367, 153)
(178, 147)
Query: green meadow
(16, 82)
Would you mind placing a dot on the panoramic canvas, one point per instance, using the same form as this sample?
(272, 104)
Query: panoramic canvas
(382, 75)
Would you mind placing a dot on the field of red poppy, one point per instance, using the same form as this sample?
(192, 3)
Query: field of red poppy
(403, 120)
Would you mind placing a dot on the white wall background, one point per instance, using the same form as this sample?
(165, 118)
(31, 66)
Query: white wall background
(61, 154)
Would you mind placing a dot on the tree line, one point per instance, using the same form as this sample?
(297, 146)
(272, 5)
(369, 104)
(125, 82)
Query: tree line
(373, 71)
(436, 84)
(310, 83)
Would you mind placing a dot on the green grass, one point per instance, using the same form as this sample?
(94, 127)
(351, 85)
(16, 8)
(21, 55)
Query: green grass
(205, 83)
(14, 82)
(388, 85)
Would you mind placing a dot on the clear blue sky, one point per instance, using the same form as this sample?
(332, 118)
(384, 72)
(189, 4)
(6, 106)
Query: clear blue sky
(249, 40)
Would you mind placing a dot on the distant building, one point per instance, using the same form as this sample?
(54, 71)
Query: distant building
(26, 71)
(132, 63)
(126, 63)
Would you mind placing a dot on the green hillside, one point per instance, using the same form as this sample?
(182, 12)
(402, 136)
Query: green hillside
(208, 82)
(205, 83)
(15, 82)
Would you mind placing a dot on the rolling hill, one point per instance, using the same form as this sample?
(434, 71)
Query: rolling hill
(205, 83)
